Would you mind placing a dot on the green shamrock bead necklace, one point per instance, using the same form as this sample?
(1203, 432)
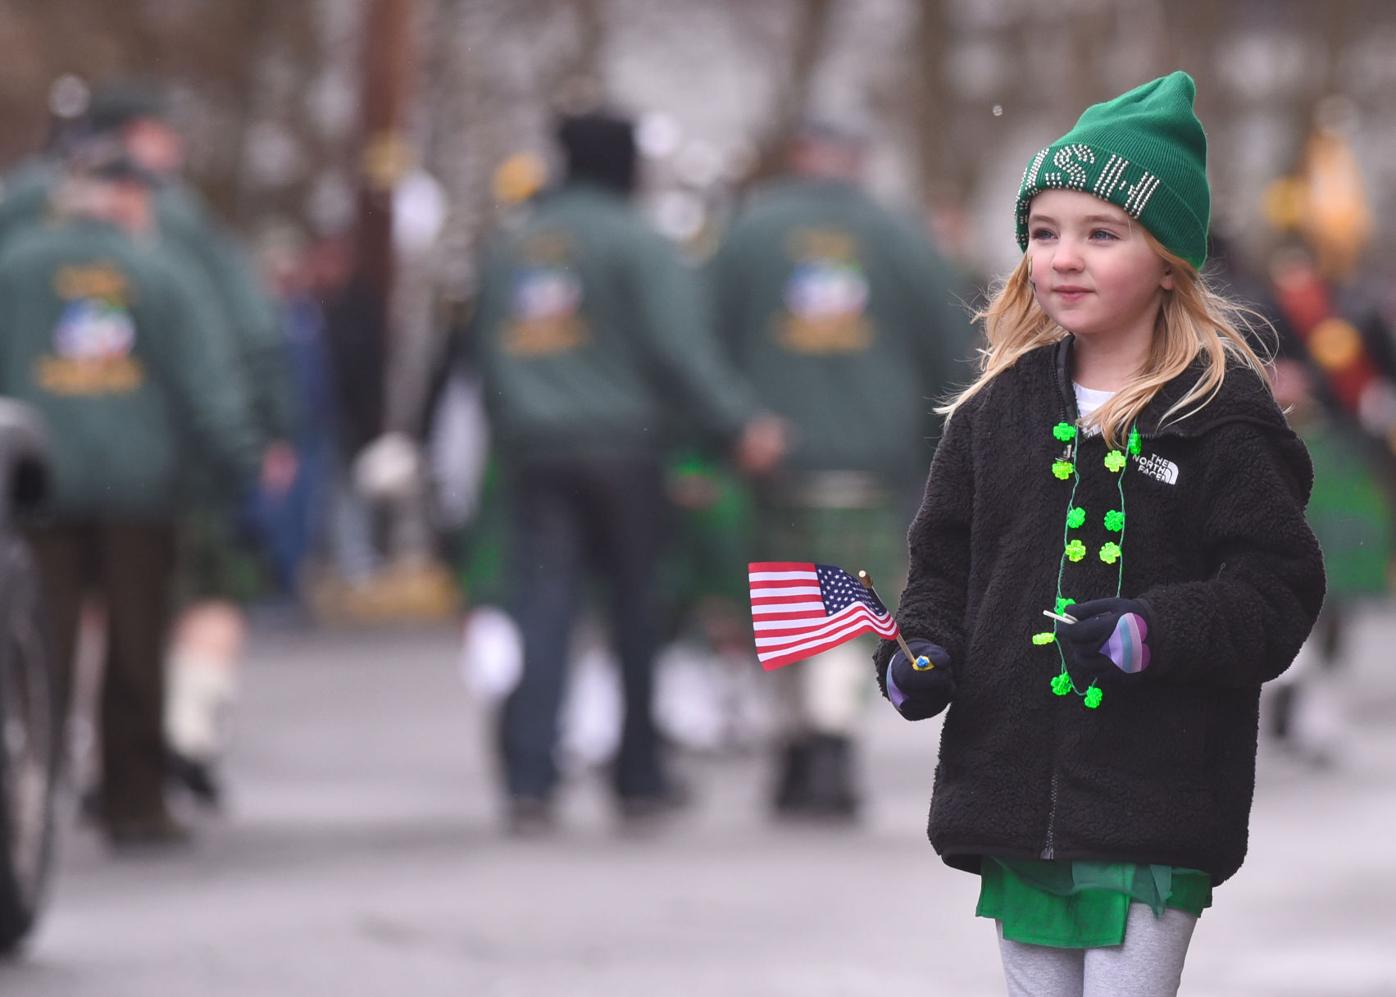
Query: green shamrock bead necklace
(1066, 467)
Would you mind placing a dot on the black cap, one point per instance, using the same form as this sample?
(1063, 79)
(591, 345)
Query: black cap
(116, 105)
(599, 146)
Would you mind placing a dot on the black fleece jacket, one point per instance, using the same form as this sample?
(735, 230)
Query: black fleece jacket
(1217, 547)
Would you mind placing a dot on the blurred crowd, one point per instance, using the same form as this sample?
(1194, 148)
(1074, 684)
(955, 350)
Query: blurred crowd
(617, 425)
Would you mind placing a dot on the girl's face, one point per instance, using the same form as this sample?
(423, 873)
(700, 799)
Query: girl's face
(1092, 270)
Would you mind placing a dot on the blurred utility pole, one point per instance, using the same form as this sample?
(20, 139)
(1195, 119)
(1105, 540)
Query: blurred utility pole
(394, 292)
(384, 151)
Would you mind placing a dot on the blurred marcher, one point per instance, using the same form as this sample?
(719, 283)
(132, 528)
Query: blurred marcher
(219, 565)
(845, 321)
(456, 425)
(708, 696)
(590, 341)
(220, 560)
(1337, 372)
(114, 342)
(292, 522)
(354, 338)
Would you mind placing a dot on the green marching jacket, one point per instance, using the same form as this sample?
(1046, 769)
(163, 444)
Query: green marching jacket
(116, 345)
(845, 321)
(245, 311)
(592, 337)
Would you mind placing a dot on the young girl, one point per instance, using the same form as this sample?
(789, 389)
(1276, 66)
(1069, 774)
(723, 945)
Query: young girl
(1110, 558)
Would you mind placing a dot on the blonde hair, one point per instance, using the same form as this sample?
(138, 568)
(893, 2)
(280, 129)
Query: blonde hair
(1194, 319)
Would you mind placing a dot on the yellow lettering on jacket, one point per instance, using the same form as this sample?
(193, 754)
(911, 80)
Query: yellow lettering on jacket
(547, 248)
(825, 334)
(821, 243)
(89, 377)
(100, 280)
(545, 335)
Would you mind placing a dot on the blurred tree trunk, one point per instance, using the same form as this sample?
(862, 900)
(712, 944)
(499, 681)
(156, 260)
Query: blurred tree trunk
(577, 81)
(791, 103)
(257, 21)
(932, 113)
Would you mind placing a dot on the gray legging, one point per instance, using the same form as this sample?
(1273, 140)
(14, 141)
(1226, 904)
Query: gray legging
(1148, 964)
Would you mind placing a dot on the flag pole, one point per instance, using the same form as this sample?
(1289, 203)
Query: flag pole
(918, 661)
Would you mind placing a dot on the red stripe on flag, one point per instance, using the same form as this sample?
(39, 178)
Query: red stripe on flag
(781, 566)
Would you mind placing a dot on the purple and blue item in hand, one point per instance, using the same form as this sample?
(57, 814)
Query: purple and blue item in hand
(920, 693)
(1108, 630)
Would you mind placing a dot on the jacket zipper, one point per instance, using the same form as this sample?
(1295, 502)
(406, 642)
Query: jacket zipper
(1049, 847)
(1068, 401)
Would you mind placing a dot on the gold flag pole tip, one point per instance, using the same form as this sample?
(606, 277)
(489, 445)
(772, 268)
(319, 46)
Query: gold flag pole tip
(919, 662)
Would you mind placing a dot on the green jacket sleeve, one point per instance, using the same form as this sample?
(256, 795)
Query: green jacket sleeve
(675, 328)
(257, 333)
(248, 315)
(722, 286)
(196, 355)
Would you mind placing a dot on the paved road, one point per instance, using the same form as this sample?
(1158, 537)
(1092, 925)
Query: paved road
(361, 857)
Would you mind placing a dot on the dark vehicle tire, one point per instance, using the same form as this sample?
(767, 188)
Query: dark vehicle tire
(29, 732)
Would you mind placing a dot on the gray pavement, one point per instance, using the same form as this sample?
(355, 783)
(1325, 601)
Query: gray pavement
(361, 855)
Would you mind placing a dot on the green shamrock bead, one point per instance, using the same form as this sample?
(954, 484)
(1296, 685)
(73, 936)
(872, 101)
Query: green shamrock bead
(1114, 520)
(1115, 461)
(1063, 602)
(1064, 431)
(1046, 637)
(1110, 552)
(1061, 684)
(1075, 551)
(1063, 469)
(1075, 517)
(1093, 697)
(1135, 443)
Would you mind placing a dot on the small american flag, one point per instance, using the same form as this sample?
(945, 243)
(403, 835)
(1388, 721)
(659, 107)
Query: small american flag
(800, 609)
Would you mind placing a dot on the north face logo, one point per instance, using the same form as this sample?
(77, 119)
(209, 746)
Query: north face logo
(1158, 468)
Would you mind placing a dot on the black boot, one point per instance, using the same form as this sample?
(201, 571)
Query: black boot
(199, 777)
(830, 785)
(1281, 717)
(791, 794)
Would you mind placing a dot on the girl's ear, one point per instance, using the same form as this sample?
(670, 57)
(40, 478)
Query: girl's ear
(1166, 281)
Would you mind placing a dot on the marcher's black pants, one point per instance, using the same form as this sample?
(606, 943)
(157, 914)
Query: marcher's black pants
(576, 520)
(128, 566)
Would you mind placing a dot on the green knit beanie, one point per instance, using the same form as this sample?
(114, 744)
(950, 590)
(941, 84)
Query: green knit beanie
(1144, 151)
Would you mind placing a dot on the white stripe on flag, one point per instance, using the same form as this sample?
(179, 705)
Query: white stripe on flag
(766, 592)
(788, 607)
(782, 576)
